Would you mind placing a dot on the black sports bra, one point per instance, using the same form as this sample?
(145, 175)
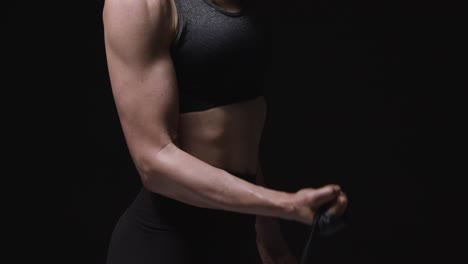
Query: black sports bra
(219, 57)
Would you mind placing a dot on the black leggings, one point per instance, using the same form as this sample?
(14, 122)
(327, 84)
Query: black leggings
(159, 230)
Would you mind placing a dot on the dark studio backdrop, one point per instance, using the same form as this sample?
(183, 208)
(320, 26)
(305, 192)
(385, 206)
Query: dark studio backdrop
(351, 100)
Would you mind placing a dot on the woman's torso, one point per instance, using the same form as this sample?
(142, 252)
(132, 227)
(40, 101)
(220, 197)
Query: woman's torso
(226, 137)
(222, 108)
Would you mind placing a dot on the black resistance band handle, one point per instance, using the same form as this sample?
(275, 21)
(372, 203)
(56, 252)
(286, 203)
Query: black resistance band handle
(323, 225)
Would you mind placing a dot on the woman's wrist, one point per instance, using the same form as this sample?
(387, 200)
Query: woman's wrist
(286, 206)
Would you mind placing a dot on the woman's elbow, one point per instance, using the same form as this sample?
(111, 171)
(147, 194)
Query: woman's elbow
(150, 167)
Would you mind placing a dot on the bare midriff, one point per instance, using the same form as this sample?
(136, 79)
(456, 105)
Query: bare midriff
(227, 136)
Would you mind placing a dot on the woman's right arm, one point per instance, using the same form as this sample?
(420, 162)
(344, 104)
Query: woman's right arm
(138, 36)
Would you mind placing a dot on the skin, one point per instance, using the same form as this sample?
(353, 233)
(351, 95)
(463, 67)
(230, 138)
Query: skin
(187, 156)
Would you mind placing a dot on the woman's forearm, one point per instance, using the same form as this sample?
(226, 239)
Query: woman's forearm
(181, 176)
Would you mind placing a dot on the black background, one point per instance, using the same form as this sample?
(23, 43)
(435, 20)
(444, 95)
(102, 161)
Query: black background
(360, 93)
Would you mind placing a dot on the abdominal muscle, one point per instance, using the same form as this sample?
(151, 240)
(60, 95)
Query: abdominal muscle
(226, 137)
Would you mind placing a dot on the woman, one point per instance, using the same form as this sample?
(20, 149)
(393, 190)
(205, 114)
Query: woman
(186, 77)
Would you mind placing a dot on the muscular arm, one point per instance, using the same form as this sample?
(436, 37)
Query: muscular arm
(138, 36)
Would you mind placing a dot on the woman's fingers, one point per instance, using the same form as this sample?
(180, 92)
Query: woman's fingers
(339, 206)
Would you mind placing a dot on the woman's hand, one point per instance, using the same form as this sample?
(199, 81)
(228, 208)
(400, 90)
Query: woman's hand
(308, 201)
(270, 242)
